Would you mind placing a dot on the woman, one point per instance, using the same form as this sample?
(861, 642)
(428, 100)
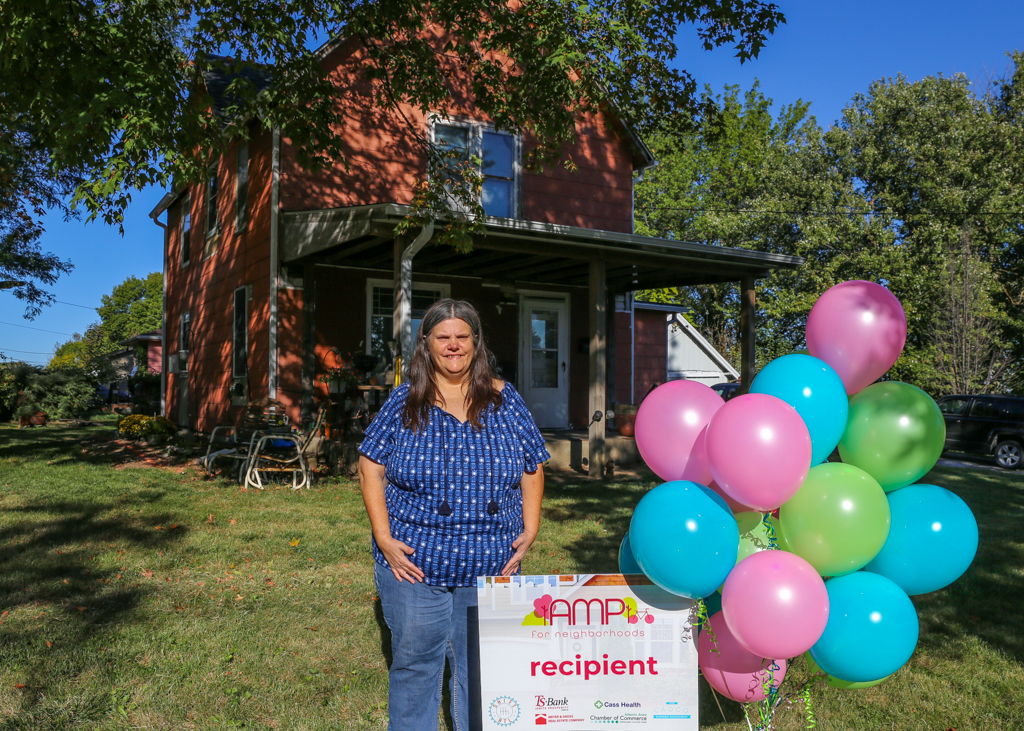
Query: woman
(450, 470)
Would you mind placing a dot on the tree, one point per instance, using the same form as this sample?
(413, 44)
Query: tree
(917, 187)
(133, 307)
(113, 92)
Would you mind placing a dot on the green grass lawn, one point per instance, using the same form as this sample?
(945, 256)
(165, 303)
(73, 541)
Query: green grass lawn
(134, 596)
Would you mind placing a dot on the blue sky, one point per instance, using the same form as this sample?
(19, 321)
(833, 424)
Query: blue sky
(826, 53)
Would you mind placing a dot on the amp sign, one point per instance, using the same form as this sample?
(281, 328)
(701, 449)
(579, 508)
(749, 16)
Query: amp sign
(582, 652)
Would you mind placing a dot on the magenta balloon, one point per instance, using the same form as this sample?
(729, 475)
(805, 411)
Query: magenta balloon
(734, 671)
(668, 430)
(775, 604)
(759, 450)
(859, 329)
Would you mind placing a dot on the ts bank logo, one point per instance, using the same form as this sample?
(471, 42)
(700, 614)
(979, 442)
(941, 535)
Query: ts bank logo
(547, 609)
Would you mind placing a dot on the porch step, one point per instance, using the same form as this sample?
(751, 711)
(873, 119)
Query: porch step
(569, 448)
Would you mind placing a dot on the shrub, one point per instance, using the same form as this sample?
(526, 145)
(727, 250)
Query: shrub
(135, 426)
(138, 426)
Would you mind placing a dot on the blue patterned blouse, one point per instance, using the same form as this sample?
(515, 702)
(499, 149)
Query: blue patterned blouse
(451, 462)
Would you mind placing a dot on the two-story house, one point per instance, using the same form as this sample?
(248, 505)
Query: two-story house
(270, 269)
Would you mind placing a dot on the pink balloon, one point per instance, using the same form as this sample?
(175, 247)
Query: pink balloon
(735, 506)
(759, 450)
(775, 604)
(859, 329)
(734, 671)
(669, 426)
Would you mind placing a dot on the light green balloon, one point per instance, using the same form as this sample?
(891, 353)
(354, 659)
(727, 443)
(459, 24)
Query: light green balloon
(837, 521)
(843, 684)
(754, 534)
(895, 433)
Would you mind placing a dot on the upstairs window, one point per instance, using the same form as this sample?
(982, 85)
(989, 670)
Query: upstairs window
(211, 212)
(499, 156)
(242, 187)
(186, 230)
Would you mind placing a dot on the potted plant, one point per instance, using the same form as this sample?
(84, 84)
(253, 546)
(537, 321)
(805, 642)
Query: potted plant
(625, 419)
(340, 377)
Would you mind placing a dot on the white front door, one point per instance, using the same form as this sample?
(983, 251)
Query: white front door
(545, 359)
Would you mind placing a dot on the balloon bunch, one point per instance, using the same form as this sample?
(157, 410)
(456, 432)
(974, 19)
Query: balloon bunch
(807, 555)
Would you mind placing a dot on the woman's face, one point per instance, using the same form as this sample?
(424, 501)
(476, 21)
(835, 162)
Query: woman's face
(451, 348)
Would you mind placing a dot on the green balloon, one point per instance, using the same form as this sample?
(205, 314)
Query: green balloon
(754, 534)
(838, 520)
(895, 433)
(843, 684)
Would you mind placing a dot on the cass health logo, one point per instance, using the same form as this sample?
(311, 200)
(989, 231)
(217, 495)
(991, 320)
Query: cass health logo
(503, 710)
(547, 609)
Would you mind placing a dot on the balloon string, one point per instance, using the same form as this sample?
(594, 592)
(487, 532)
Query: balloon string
(704, 620)
(808, 708)
(769, 529)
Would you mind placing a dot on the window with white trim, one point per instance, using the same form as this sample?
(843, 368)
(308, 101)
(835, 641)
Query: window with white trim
(184, 341)
(186, 230)
(240, 333)
(242, 187)
(499, 156)
(211, 213)
(380, 308)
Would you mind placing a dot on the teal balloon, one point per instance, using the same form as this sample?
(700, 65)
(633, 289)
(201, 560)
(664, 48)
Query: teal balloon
(872, 628)
(932, 539)
(627, 564)
(816, 391)
(895, 433)
(684, 539)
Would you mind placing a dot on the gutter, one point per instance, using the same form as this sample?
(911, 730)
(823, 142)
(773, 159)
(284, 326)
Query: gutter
(403, 301)
(275, 205)
(160, 208)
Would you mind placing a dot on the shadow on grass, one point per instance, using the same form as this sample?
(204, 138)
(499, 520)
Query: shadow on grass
(985, 601)
(47, 569)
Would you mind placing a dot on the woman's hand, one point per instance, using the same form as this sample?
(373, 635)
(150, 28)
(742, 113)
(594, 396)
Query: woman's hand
(397, 554)
(521, 545)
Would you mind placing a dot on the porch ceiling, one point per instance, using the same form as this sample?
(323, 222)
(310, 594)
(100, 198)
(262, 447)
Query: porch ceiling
(521, 251)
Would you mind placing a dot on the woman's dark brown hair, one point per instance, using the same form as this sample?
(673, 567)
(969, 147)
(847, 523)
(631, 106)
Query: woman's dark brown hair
(423, 391)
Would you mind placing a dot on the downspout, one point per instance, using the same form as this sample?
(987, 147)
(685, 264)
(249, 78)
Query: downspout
(275, 202)
(163, 316)
(405, 293)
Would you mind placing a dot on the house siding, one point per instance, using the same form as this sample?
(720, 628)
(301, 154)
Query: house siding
(651, 351)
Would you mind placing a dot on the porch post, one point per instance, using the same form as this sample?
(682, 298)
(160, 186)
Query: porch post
(747, 331)
(598, 365)
(308, 340)
(400, 243)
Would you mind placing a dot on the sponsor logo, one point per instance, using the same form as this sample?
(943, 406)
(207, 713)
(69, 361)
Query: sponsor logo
(503, 710)
(540, 719)
(544, 701)
(598, 704)
(617, 704)
(546, 609)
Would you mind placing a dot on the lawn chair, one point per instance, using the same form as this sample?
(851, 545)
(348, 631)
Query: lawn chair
(279, 453)
(236, 443)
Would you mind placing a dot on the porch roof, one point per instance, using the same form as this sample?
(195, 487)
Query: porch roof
(514, 250)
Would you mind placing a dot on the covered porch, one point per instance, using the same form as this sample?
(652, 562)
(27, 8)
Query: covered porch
(528, 266)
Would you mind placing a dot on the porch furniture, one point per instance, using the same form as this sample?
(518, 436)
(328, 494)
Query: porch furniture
(236, 443)
(283, 452)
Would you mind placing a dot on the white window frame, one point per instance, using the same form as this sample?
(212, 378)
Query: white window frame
(445, 290)
(477, 129)
(242, 186)
(185, 214)
(246, 289)
(210, 211)
(184, 324)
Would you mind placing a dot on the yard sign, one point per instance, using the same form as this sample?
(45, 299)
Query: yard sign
(584, 652)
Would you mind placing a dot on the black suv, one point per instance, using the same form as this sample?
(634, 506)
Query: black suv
(986, 425)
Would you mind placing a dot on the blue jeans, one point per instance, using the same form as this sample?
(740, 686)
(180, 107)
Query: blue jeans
(428, 624)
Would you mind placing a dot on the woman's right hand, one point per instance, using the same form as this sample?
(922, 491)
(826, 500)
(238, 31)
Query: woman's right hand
(397, 555)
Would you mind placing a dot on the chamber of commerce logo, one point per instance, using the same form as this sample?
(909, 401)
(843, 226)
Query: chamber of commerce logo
(503, 710)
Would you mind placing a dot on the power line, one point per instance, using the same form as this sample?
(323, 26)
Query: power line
(833, 212)
(14, 324)
(72, 304)
(30, 352)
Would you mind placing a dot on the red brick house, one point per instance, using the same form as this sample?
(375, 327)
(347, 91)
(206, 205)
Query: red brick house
(268, 268)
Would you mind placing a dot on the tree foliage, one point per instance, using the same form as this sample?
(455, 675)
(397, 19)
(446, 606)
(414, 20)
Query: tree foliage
(112, 92)
(918, 186)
